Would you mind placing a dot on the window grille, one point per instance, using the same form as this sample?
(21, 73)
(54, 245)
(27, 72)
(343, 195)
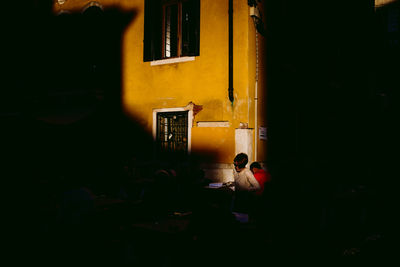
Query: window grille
(172, 132)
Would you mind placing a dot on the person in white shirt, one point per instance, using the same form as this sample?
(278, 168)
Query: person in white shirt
(244, 178)
(245, 184)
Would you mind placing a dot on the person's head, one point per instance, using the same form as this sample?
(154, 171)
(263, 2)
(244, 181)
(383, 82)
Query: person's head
(240, 161)
(255, 166)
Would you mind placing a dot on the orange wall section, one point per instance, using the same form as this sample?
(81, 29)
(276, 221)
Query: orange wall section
(203, 81)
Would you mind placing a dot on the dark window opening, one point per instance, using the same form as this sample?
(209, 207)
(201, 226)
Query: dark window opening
(171, 29)
(172, 132)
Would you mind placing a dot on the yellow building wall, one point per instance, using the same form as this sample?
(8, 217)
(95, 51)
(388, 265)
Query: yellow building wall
(203, 81)
(379, 3)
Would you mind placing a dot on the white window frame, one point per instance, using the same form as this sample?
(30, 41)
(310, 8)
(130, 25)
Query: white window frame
(189, 123)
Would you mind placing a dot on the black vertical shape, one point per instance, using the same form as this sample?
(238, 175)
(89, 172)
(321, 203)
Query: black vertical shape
(230, 89)
(191, 28)
(152, 30)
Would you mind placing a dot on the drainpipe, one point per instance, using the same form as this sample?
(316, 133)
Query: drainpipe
(256, 103)
(230, 89)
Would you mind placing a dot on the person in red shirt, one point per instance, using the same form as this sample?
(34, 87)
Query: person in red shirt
(261, 176)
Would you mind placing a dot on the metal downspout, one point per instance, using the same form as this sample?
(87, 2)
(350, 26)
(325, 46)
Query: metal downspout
(230, 89)
(256, 103)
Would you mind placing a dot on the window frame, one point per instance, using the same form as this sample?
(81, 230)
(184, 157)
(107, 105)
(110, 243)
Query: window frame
(189, 124)
(154, 43)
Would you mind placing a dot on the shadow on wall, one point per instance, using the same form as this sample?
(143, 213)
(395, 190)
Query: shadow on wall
(61, 111)
(62, 117)
(62, 107)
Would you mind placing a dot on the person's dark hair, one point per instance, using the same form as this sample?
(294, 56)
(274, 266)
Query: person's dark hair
(241, 160)
(255, 165)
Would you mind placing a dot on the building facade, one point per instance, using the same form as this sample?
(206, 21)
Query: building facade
(193, 76)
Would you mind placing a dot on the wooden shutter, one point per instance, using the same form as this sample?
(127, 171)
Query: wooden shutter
(191, 28)
(152, 30)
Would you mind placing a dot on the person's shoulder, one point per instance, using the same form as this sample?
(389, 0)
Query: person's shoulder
(246, 169)
(265, 175)
(261, 174)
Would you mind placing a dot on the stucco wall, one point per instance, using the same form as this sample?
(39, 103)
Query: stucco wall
(203, 81)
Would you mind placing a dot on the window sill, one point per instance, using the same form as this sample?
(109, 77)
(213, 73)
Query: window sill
(171, 60)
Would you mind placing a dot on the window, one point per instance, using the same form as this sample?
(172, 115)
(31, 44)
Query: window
(171, 29)
(172, 132)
